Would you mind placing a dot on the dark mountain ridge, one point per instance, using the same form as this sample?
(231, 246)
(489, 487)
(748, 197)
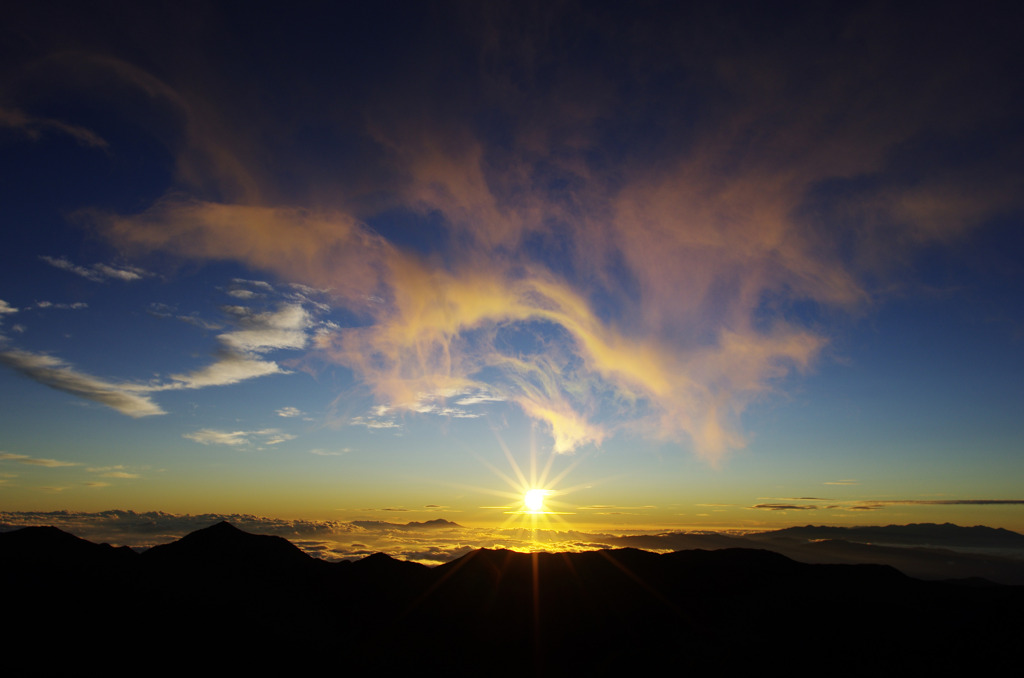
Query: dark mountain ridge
(225, 546)
(225, 599)
(915, 534)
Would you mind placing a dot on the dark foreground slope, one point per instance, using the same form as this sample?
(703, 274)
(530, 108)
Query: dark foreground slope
(224, 600)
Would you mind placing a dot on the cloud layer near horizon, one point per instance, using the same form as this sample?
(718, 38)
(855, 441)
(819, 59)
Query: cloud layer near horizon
(643, 233)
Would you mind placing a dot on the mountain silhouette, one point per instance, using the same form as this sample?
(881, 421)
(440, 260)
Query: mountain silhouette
(225, 547)
(50, 548)
(914, 534)
(437, 523)
(220, 599)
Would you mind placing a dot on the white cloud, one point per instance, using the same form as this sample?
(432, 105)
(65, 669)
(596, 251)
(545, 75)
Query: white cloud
(199, 322)
(478, 398)
(373, 423)
(274, 436)
(289, 412)
(210, 437)
(436, 403)
(331, 453)
(249, 289)
(230, 369)
(34, 461)
(239, 358)
(262, 332)
(258, 284)
(281, 329)
(97, 272)
(78, 305)
(267, 436)
(113, 472)
(52, 372)
(129, 273)
(306, 289)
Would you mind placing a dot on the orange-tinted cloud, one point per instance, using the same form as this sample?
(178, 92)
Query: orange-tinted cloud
(650, 222)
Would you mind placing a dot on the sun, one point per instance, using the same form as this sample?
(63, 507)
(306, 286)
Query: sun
(533, 499)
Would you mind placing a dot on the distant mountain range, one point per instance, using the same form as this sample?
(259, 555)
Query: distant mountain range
(437, 523)
(223, 600)
(924, 550)
(946, 535)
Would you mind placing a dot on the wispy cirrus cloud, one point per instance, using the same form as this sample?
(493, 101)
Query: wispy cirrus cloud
(331, 453)
(878, 504)
(34, 461)
(211, 437)
(35, 127)
(375, 422)
(268, 436)
(641, 264)
(951, 502)
(239, 359)
(786, 507)
(98, 272)
(124, 397)
(75, 306)
(118, 471)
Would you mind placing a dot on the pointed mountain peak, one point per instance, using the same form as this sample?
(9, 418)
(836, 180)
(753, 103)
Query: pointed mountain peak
(223, 527)
(222, 544)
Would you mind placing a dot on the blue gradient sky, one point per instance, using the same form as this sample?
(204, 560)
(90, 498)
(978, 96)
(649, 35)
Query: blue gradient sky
(718, 267)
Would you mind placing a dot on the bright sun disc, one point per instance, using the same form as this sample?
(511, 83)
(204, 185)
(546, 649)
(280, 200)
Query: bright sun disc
(534, 500)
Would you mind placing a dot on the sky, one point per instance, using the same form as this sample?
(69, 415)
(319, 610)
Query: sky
(679, 265)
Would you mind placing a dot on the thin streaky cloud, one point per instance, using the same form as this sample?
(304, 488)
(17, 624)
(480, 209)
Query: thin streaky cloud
(954, 502)
(239, 360)
(268, 436)
(53, 372)
(331, 453)
(286, 328)
(786, 507)
(75, 306)
(879, 504)
(230, 369)
(211, 437)
(659, 275)
(374, 423)
(33, 127)
(35, 461)
(97, 272)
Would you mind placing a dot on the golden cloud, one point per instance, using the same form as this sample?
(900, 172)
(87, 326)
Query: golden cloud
(656, 267)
